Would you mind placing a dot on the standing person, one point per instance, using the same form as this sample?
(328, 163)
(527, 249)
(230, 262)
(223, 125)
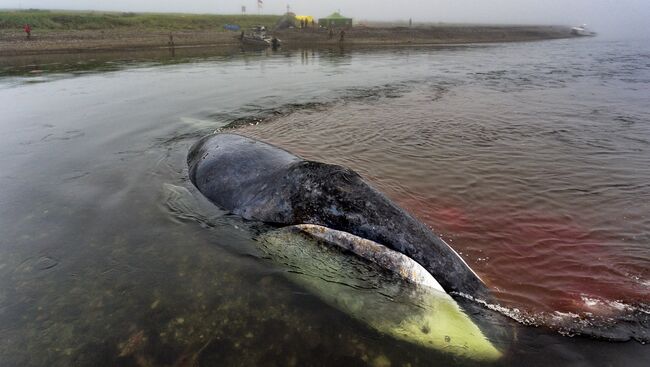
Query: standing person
(331, 34)
(171, 40)
(28, 30)
(342, 35)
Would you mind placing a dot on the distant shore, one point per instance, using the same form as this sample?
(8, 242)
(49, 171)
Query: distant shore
(57, 31)
(14, 42)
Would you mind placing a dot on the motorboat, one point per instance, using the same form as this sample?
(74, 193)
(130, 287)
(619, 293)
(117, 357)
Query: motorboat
(257, 36)
(582, 31)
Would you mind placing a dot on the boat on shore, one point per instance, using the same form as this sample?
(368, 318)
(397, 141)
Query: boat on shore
(582, 31)
(258, 37)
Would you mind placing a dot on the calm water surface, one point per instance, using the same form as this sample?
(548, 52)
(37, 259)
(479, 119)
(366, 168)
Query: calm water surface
(532, 160)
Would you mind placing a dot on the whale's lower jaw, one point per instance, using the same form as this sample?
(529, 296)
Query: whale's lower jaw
(381, 287)
(391, 260)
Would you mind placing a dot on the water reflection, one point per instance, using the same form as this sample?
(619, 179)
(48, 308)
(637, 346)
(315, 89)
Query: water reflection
(105, 61)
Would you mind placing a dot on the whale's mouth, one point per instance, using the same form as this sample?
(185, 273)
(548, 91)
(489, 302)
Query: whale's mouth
(388, 259)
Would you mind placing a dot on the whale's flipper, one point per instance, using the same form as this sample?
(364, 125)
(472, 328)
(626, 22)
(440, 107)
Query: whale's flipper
(367, 281)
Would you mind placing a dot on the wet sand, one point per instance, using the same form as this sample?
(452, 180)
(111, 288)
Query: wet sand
(14, 42)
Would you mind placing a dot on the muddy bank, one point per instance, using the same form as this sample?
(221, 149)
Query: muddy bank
(435, 35)
(14, 42)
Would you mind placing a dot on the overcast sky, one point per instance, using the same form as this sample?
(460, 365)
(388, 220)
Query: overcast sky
(612, 17)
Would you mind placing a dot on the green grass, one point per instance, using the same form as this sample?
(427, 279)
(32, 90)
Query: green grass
(70, 20)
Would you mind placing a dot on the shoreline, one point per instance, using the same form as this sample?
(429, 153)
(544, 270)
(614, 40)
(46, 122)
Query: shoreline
(14, 42)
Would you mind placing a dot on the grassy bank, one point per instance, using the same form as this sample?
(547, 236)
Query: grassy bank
(70, 20)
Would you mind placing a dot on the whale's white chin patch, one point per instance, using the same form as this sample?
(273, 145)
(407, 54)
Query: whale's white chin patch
(380, 287)
(389, 259)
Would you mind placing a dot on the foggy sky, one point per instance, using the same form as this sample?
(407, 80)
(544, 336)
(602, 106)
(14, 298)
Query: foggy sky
(608, 17)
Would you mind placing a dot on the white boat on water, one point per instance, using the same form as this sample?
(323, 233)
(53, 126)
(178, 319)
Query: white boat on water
(582, 31)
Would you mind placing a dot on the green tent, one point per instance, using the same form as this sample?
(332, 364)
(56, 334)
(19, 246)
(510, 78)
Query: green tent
(335, 20)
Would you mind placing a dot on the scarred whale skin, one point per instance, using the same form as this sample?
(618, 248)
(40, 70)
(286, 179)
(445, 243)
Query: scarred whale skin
(259, 181)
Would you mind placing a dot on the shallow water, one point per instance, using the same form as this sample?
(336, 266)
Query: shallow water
(530, 159)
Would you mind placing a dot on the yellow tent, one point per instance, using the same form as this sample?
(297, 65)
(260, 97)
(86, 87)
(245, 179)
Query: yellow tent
(307, 20)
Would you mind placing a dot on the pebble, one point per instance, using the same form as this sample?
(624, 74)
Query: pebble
(381, 361)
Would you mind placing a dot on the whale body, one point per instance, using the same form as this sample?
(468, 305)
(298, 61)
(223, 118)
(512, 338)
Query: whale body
(259, 181)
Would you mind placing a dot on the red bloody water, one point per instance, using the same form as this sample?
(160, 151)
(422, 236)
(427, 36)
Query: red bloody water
(543, 261)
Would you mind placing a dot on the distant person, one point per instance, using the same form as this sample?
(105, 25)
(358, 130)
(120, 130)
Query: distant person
(28, 30)
(342, 35)
(410, 22)
(331, 34)
(171, 40)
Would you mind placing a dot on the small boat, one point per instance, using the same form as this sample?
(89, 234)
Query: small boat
(582, 31)
(258, 37)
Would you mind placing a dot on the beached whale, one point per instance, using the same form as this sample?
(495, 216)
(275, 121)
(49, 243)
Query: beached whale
(259, 181)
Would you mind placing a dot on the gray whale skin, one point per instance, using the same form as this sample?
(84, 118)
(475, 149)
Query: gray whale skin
(261, 182)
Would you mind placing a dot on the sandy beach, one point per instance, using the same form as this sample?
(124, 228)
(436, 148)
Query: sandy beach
(14, 42)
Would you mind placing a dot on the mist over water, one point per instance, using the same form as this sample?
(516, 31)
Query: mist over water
(532, 165)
